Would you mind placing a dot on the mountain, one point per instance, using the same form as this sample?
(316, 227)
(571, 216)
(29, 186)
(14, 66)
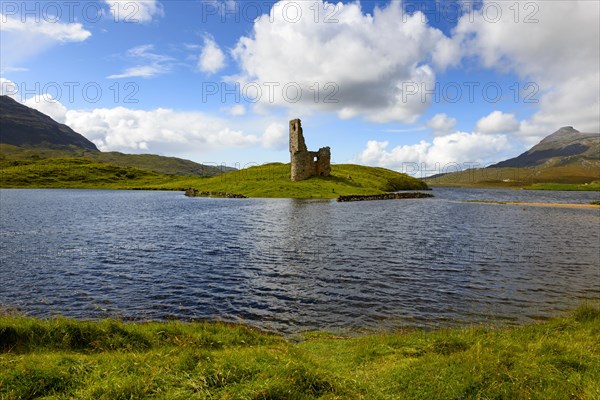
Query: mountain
(566, 157)
(27, 134)
(25, 127)
(563, 146)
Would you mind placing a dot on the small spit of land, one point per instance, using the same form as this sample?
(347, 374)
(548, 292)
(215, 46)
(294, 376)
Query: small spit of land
(61, 358)
(593, 204)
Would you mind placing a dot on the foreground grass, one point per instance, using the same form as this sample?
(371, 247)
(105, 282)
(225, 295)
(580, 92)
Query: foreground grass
(61, 358)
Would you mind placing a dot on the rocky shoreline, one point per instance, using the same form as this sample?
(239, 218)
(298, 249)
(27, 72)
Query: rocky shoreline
(385, 196)
(191, 192)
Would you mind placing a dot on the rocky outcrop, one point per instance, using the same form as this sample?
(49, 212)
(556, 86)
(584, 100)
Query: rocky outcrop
(385, 196)
(306, 163)
(191, 192)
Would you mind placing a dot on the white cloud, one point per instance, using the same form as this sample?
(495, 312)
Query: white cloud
(156, 64)
(212, 58)
(141, 11)
(24, 38)
(171, 131)
(160, 130)
(49, 106)
(8, 88)
(559, 53)
(459, 149)
(441, 124)
(367, 59)
(57, 31)
(6, 70)
(142, 71)
(275, 137)
(237, 111)
(497, 122)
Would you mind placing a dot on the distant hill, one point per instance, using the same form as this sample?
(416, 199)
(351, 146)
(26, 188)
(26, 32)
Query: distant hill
(25, 127)
(567, 156)
(565, 145)
(27, 134)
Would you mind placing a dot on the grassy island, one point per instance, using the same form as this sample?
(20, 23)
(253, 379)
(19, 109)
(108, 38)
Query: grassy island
(273, 180)
(62, 358)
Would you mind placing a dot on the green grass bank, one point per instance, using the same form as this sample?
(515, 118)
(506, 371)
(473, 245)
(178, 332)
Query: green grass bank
(67, 359)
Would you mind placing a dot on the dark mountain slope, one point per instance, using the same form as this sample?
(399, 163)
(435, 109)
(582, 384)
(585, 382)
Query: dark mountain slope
(565, 145)
(25, 127)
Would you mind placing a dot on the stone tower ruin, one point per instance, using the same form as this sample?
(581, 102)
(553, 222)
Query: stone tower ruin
(306, 163)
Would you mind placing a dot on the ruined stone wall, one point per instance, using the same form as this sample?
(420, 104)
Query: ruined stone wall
(306, 163)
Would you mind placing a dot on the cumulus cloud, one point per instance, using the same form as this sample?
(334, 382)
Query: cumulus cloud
(138, 11)
(237, 111)
(275, 137)
(212, 58)
(154, 63)
(49, 106)
(456, 150)
(126, 129)
(441, 124)
(553, 44)
(8, 88)
(160, 130)
(497, 122)
(353, 67)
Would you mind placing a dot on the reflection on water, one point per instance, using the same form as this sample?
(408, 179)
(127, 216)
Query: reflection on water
(291, 265)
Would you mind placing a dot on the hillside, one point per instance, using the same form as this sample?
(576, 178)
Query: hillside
(564, 160)
(81, 173)
(25, 127)
(27, 134)
(565, 146)
(273, 180)
(149, 162)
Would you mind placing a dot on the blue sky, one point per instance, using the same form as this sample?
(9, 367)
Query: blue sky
(412, 86)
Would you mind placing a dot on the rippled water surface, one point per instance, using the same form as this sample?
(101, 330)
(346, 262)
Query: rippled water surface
(291, 265)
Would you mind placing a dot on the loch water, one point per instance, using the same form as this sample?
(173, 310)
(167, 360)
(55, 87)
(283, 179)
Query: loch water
(292, 265)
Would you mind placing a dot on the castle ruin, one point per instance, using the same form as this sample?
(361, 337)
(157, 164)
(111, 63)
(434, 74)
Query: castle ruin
(306, 163)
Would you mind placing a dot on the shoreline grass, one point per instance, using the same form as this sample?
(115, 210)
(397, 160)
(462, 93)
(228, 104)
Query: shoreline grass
(61, 358)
